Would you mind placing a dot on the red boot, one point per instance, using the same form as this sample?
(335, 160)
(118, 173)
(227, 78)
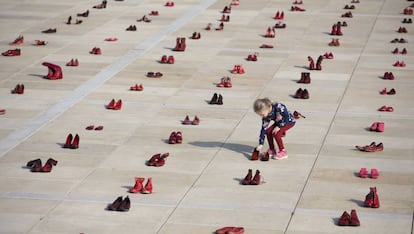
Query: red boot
(147, 189)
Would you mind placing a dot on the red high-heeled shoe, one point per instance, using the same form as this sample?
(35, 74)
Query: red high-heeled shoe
(147, 189)
(49, 164)
(75, 143)
(138, 185)
(18, 41)
(68, 142)
(256, 179)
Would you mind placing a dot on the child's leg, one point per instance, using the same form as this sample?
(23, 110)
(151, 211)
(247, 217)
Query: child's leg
(269, 136)
(279, 134)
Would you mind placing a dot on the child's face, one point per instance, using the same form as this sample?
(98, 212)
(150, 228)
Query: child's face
(265, 112)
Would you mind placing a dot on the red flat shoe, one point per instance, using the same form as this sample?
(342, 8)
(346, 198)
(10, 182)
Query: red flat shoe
(179, 137)
(18, 41)
(374, 173)
(111, 39)
(266, 46)
(363, 173)
(173, 138)
(390, 109)
(90, 127)
(12, 53)
(99, 128)
(383, 108)
(2, 111)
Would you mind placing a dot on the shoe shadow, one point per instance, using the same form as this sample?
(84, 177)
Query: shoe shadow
(335, 221)
(358, 202)
(246, 150)
(304, 67)
(37, 75)
(368, 129)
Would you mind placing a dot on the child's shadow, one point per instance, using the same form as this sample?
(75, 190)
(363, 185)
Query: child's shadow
(239, 148)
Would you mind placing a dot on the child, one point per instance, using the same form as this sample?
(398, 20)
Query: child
(276, 120)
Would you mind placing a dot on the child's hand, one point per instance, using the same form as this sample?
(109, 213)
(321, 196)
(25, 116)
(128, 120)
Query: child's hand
(259, 147)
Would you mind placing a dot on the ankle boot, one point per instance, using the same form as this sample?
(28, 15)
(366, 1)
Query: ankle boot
(256, 178)
(248, 178)
(68, 142)
(371, 199)
(147, 189)
(255, 155)
(125, 205)
(116, 204)
(49, 164)
(138, 185)
(354, 221)
(344, 220)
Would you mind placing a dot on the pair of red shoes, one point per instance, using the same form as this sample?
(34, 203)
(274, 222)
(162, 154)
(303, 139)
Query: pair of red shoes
(101, 6)
(304, 78)
(301, 94)
(256, 155)
(270, 33)
(279, 15)
(363, 173)
(154, 13)
(111, 39)
(403, 51)
(73, 63)
(36, 165)
(334, 42)
(196, 36)
(144, 19)
(137, 87)
(336, 29)
(296, 2)
(349, 7)
(131, 28)
(169, 4)
(388, 76)
(157, 160)
(96, 51)
(249, 179)
(252, 57)
(399, 64)
(347, 219)
(296, 8)
(225, 18)
(40, 43)
(175, 138)
(377, 127)
(373, 147)
(230, 230)
(180, 44)
(112, 105)
(238, 69)
(396, 40)
(225, 82)
(2, 111)
(92, 127)
(139, 187)
(11, 53)
(402, 30)
(50, 30)
(54, 71)
(154, 74)
(328, 55)
(390, 92)
(266, 46)
(187, 121)
(279, 25)
(83, 14)
(347, 15)
(19, 89)
(408, 11)
(170, 59)
(72, 142)
(386, 108)
(18, 41)
(371, 199)
(120, 204)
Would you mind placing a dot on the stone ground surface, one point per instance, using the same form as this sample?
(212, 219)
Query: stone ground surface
(198, 189)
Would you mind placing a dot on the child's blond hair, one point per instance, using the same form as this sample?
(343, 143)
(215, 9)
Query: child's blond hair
(261, 104)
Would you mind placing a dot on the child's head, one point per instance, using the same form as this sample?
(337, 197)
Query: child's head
(262, 107)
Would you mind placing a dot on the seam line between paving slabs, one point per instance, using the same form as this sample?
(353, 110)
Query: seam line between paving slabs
(18, 136)
(333, 119)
